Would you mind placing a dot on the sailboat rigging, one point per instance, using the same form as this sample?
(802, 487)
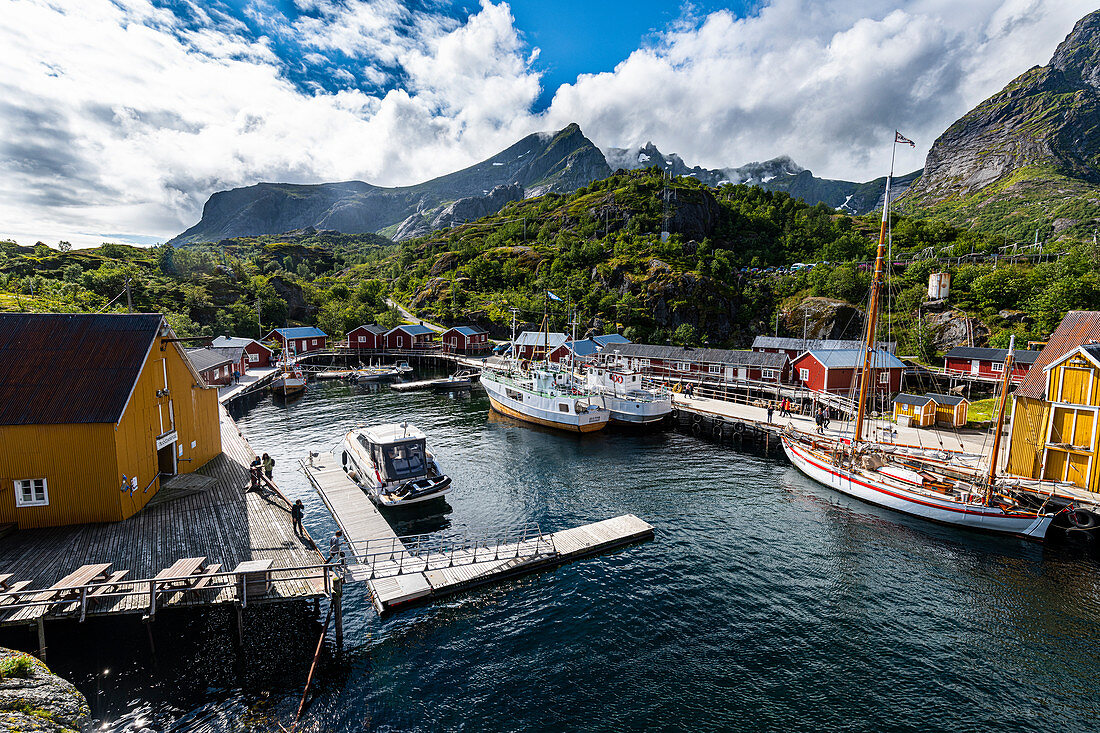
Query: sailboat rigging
(934, 489)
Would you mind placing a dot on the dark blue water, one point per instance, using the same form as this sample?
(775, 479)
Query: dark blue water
(765, 602)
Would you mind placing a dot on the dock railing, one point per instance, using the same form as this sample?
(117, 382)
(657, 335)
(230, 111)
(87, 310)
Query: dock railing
(77, 600)
(419, 553)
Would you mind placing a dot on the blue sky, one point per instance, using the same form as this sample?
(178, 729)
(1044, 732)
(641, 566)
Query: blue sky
(122, 117)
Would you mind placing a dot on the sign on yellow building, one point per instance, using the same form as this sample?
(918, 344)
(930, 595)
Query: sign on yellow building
(95, 411)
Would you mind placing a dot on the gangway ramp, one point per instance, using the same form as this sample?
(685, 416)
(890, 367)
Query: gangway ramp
(402, 570)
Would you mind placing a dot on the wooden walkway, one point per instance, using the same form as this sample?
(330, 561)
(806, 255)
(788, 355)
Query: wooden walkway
(396, 577)
(213, 518)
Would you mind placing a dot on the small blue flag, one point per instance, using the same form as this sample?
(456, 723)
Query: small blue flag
(552, 296)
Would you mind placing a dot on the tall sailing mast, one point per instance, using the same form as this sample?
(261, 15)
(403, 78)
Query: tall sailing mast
(872, 309)
(1006, 379)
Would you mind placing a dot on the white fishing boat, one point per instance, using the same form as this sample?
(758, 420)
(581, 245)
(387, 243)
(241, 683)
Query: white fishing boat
(545, 398)
(625, 398)
(934, 491)
(392, 464)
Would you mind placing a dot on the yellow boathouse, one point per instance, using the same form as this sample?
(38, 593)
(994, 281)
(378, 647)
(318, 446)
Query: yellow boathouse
(1054, 425)
(95, 411)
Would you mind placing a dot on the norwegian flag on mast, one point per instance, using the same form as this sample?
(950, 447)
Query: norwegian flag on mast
(899, 138)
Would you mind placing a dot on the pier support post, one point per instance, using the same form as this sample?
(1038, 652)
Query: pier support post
(240, 623)
(149, 633)
(338, 610)
(42, 640)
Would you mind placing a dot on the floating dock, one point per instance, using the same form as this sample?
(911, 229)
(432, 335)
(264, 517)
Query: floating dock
(403, 570)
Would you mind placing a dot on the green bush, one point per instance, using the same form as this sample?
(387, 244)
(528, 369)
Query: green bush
(16, 667)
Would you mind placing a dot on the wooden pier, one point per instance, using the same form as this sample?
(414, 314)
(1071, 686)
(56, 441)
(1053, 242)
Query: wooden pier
(202, 540)
(401, 571)
(255, 380)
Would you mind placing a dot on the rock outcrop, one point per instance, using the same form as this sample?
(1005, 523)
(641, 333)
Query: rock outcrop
(1025, 151)
(952, 328)
(470, 208)
(37, 701)
(825, 318)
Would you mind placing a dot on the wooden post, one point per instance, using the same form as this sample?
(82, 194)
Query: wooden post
(240, 623)
(149, 633)
(42, 640)
(338, 607)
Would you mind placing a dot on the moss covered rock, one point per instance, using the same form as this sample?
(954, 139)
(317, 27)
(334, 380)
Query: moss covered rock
(33, 699)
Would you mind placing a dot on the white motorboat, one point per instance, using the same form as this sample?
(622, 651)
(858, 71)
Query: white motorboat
(545, 398)
(625, 398)
(392, 464)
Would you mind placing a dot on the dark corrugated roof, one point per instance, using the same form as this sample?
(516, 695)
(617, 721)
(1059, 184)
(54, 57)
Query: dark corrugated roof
(945, 399)
(1023, 356)
(62, 368)
(800, 345)
(705, 356)
(207, 358)
(912, 399)
(376, 330)
(1076, 329)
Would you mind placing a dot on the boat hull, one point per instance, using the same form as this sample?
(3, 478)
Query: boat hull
(626, 411)
(504, 409)
(941, 510)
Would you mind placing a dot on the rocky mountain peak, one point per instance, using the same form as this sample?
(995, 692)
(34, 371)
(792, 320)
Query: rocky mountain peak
(1078, 56)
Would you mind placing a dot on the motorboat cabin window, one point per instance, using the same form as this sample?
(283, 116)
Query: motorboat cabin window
(513, 394)
(563, 406)
(403, 460)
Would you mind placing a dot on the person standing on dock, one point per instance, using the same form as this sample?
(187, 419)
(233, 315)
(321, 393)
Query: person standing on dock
(819, 418)
(771, 409)
(255, 471)
(297, 513)
(269, 465)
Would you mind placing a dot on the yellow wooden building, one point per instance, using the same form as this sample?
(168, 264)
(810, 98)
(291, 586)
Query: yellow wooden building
(914, 410)
(1054, 423)
(95, 411)
(952, 411)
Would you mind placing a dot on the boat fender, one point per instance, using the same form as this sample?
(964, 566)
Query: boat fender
(738, 427)
(697, 419)
(717, 430)
(697, 429)
(353, 475)
(1082, 519)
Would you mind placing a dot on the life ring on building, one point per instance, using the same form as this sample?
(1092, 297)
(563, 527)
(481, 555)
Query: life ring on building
(676, 388)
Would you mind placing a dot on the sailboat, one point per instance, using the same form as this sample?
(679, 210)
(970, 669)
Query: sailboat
(933, 490)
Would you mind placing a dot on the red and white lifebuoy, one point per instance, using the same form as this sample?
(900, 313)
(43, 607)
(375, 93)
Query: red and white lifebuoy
(617, 378)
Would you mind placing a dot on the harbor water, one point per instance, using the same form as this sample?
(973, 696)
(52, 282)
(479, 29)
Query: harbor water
(766, 602)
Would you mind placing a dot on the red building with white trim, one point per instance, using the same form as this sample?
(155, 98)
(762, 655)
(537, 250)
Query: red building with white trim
(367, 336)
(256, 354)
(299, 339)
(988, 363)
(837, 371)
(410, 336)
(465, 340)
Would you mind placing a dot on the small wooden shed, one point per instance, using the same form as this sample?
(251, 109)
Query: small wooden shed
(951, 411)
(914, 410)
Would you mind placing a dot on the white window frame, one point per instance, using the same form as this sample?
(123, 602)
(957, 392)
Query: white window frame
(998, 366)
(313, 343)
(20, 484)
(884, 377)
(362, 339)
(769, 374)
(714, 369)
(1072, 441)
(683, 366)
(803, 375)
(253, 358)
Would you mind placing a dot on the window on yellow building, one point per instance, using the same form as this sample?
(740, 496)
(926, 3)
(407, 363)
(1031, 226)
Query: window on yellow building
(31, 492)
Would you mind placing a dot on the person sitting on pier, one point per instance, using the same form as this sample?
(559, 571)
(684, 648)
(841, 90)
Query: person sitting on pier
(297, 512)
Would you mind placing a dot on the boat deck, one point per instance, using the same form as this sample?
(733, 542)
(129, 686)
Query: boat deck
(207, 514)
(397, 578)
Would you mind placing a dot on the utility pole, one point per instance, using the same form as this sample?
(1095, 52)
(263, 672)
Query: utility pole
(805, 319)
(259, 320)
(129, 302)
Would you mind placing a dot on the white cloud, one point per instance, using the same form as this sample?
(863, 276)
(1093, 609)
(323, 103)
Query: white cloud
(825, 82)
(126, 122)
(118, 118)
